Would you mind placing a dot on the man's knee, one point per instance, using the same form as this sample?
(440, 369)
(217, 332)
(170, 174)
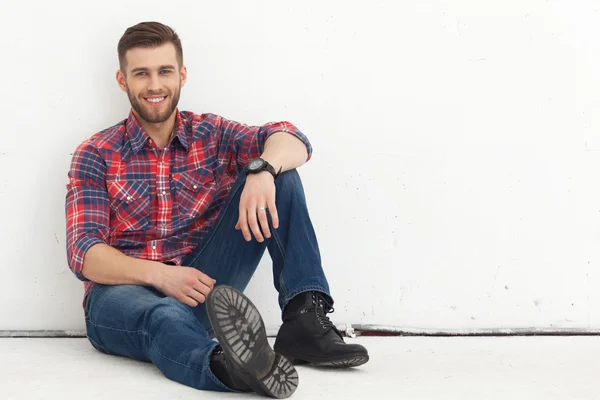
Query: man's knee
(169, 307)
(289, 181)
(168, 311)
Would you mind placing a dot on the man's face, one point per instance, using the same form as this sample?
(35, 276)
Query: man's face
(153, 81)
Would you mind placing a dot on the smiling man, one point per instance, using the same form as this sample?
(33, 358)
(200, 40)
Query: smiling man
(168, 215)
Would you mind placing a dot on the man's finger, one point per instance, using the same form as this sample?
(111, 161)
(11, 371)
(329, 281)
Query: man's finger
(244, 224)
(252, 221)
(207, 281)
(264, 223)
(187, 300)
(196, 295)
(274, 215)
(202, 288)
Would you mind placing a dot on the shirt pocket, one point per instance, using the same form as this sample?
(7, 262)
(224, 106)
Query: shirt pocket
(130, 205)
(192, 192)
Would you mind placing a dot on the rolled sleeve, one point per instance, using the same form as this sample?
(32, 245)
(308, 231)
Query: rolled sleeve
(86, 206)
(288, 127)
(78, 254)
(240, 143)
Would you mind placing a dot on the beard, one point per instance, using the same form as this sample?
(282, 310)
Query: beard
(151, 114)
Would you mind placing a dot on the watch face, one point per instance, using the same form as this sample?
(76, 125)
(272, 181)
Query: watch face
(255, 164)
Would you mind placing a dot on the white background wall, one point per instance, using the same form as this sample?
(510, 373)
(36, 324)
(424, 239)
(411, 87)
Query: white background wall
(454, 183)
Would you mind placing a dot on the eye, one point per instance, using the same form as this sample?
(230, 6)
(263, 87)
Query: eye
(165, 71)
(140, 74)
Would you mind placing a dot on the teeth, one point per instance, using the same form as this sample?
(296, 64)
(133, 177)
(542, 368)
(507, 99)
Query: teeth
(158, 100)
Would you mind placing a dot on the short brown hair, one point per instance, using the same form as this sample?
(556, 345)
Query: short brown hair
(148, 34)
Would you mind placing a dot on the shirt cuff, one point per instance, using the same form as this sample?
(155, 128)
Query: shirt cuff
(80, 248)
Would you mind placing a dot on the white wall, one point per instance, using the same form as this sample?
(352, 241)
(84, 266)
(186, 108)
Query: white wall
(454, 183)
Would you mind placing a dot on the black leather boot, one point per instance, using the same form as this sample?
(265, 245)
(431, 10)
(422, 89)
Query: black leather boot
(247, 362)
(308, 335)
(226, 372)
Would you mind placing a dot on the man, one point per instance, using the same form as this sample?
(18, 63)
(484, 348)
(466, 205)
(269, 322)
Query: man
(168, 209)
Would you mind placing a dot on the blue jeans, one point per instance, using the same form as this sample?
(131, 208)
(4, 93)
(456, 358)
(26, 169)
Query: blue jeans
(142, 323)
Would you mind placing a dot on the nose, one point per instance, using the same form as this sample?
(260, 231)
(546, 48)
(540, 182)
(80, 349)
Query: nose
(154, 84)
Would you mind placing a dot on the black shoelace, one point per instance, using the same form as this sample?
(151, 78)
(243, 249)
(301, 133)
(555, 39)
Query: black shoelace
(319, 303)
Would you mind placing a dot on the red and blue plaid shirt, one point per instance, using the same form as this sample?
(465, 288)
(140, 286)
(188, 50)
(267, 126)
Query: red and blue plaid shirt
(157, 204)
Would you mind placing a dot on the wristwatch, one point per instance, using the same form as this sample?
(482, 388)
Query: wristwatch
(258, 165)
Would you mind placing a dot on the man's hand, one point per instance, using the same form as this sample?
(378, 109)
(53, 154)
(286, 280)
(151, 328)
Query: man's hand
(258, 196)
(186, 284)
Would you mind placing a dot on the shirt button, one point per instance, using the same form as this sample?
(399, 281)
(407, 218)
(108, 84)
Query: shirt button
(195, 187)
(128, 198)
(164, 224)
(153, 247)
(162, 162)
(164, 193)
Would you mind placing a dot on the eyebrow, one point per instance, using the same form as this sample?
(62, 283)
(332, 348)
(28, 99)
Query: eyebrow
(133, 71)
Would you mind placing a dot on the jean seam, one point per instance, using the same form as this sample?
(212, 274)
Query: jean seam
(112, 329)
(116, 329)
(279, 245)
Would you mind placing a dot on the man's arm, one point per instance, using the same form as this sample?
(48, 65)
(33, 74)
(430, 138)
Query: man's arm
(239, 143)
(283, 146)
(91, 259)
(285, 151)
(87, 206)
(107, 265)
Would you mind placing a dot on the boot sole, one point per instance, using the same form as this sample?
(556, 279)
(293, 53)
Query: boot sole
(241, 333)
(345, 362)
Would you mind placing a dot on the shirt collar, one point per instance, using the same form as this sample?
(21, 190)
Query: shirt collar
(138, 137)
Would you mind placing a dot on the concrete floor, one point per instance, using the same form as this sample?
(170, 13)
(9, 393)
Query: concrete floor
(413, 368)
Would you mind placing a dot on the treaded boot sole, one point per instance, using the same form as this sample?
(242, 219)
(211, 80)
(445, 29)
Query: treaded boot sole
(338, 362)
(241, 332)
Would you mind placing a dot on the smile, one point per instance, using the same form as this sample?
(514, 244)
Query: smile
(155, 100)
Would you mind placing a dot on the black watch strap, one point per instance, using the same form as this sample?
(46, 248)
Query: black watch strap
(278, 173)
(265, 167)
(270, 168)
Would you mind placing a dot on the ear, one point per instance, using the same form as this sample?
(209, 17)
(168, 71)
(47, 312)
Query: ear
(121, 80)
(183, 75)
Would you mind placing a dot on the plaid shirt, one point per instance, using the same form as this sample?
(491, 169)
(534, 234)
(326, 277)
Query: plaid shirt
(157, 204)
